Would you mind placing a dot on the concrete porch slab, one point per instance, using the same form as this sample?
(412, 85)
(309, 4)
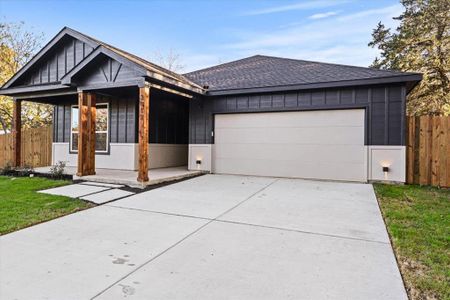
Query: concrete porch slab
(74, 190)
(106, 196)
(128, 177)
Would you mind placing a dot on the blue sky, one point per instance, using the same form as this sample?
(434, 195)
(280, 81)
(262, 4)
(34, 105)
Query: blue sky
(206, 33)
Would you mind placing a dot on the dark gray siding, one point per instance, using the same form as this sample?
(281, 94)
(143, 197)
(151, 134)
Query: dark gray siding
(104, 70)
(122, 119)
(58, 62)
(385, 109)
(169, 118)
(123, 122)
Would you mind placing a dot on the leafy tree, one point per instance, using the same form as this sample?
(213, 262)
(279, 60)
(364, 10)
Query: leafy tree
(421, 43)
(17, 47)
(171, 60)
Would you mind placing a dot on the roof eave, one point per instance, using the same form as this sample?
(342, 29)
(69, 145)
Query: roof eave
(412, 77)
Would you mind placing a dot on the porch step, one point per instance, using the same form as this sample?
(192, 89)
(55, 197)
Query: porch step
(110, 185)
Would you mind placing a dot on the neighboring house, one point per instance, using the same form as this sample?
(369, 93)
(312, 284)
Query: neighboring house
(259, 115)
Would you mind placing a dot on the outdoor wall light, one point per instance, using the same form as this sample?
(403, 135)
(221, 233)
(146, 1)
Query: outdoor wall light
(385, 169)
(198, 162)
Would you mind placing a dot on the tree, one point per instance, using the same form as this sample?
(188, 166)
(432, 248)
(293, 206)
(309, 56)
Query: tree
(17, 47)
(421, 43)
(170, 60)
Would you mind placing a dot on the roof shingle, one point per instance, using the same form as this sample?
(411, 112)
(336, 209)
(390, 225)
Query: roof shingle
(266, 71)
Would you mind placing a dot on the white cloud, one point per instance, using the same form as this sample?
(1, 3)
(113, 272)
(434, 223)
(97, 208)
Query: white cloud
(393, 10)
(341, 39)
(323, 15)
(297, 6)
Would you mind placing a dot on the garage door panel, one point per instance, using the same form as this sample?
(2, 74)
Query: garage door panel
(292, 169)
(280, 152)
(313, 144)
(315, 118)
(304, 135)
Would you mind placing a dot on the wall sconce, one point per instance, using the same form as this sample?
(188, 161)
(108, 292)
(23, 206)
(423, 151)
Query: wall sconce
(198, 162)
(385, 171)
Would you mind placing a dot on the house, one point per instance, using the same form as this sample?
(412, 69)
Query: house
(261, 115)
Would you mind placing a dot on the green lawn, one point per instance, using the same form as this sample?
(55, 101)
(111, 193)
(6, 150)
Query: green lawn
(418, 221)
(22, 206)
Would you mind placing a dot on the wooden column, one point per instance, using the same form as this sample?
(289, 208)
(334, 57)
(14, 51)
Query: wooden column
(91, 103)
(17, 132)
(144, 110)
(86, 133)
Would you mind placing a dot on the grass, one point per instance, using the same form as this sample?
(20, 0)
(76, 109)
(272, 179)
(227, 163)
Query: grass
(418, 221)
(21, 205)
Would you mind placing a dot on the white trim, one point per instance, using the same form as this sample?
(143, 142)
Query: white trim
(393, 157)
(202, 152)
(101, 131)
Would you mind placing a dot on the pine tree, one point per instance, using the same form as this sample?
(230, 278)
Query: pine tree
(421, 43)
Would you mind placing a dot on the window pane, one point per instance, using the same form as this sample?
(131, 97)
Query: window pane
(74, 142)
(101, 122)
(74, 118)
(100, 141)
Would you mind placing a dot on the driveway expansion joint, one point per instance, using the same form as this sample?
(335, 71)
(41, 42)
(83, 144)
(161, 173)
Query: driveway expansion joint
(180, 241)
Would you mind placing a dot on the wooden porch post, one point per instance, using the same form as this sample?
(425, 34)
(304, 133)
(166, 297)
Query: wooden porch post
(17, 132)
(91, 102)
(144, 109)
(86, 133)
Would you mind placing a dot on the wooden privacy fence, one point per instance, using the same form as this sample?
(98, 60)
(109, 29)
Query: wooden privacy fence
(36, 147)
(428, 150)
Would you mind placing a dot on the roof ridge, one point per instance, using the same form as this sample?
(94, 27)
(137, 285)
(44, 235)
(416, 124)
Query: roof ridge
(222, 64)
(300, 60)
(336, 64)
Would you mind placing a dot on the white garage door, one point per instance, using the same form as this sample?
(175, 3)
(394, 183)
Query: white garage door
(310, 144)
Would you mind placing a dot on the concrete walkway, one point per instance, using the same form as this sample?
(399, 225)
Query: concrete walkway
(211, 237)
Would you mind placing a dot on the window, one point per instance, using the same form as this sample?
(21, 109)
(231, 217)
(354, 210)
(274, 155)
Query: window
(101, 129)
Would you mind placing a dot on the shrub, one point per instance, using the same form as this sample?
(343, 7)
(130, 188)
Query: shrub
(26, 170)
(58, 169)
(8, 169)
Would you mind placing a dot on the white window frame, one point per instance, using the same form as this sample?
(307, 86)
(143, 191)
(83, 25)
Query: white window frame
(101, 131)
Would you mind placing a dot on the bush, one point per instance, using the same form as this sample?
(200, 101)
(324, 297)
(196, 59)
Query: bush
(8, 169)
(26, 170)
(57, 170)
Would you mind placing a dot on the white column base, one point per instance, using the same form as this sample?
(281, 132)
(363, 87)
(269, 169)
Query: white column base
(200, 152)
(393, 157)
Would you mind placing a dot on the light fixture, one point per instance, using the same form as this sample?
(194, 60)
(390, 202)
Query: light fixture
(198, 162)
(385, 169)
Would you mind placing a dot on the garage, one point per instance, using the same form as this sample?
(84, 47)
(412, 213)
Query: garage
(320, 144)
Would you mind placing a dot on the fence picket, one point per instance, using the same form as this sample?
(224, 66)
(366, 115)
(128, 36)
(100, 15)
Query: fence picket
(428, 150)
(36, 147)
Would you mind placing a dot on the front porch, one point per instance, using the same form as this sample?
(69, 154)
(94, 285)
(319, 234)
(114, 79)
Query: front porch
(128, 177)
(103, 127)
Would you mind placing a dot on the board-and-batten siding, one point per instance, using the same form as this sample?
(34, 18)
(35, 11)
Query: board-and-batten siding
(169, 117)
(122, 120)
(385, 119)
(66, 55)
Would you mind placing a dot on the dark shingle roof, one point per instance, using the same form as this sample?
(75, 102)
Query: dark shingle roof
(266, 71)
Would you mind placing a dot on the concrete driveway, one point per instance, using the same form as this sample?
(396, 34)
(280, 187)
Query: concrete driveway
(211, 237)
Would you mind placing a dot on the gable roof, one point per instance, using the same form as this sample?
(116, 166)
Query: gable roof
(149, 66)
(253, 74)
(146, 68)
(260, 71)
